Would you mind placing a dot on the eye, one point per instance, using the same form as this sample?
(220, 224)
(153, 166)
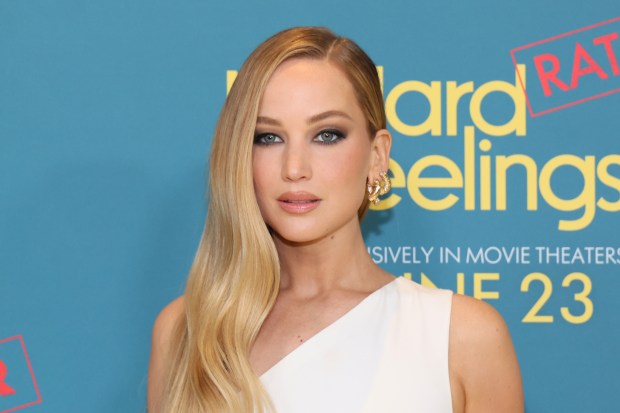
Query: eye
(267, 139)
(329, 136)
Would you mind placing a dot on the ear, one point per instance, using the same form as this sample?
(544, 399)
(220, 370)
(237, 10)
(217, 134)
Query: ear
(380, 154)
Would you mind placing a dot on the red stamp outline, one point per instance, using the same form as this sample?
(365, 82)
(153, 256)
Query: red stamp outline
(34, 380)
(527, 46)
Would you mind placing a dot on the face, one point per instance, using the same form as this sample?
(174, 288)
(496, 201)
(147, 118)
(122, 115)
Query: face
(312, 152)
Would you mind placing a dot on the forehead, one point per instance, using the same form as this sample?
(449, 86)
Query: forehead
(310, 86)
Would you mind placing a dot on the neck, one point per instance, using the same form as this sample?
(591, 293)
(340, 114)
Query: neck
(337, 261)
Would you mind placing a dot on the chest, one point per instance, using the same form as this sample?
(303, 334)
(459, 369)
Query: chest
(384, 355)
(291, 323)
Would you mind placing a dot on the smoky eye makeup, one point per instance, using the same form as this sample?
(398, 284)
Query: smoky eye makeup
(325, 136)
(330, 136)
(266, 138)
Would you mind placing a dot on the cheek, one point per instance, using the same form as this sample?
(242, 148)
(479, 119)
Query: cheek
(260, 176)
(265, 176)
(351, 166)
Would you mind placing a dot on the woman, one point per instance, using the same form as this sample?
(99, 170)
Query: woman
(299, 151)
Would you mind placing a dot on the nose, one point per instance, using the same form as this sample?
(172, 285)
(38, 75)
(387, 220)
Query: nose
(296, 164)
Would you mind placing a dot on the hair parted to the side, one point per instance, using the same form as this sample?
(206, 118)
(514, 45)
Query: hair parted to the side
(235, 276)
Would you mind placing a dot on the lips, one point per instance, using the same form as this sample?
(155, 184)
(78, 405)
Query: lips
(298, 202)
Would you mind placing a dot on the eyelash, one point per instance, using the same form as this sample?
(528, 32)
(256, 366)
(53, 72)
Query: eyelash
(258, 139)
(338, 134)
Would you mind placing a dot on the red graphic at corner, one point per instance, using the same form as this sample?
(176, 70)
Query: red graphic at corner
(18, 386)
(572, 68)
(581, 56)
(5, 389)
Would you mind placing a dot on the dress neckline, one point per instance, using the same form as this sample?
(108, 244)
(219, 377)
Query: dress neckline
(309, 342)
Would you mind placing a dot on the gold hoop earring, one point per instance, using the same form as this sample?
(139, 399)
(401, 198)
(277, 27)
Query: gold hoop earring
(379, 187)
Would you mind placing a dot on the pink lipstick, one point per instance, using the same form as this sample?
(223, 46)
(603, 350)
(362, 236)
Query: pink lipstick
(298, 202)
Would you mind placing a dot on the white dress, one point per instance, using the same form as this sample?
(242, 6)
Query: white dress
(389, 354)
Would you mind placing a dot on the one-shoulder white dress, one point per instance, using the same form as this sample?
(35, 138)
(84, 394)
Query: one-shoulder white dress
(389, 354)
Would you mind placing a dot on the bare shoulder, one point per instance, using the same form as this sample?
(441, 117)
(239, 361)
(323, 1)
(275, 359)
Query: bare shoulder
(167, 318)
(163, 328)
(484, 371)
(473, 319)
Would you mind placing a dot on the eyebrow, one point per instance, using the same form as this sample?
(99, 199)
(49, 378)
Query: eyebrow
(324, 115)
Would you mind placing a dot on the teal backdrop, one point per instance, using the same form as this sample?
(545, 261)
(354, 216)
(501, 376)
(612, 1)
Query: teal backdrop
(107, 109)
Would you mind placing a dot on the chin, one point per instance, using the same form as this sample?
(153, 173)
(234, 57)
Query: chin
(296, 236)
(311, 231)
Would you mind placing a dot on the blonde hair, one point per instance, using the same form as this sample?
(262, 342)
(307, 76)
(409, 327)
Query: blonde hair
(234, 280)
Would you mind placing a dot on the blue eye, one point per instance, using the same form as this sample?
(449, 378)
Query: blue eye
(329, 136)
(267, 139)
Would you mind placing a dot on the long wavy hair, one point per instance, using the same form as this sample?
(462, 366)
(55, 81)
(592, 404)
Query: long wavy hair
(235, 276)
